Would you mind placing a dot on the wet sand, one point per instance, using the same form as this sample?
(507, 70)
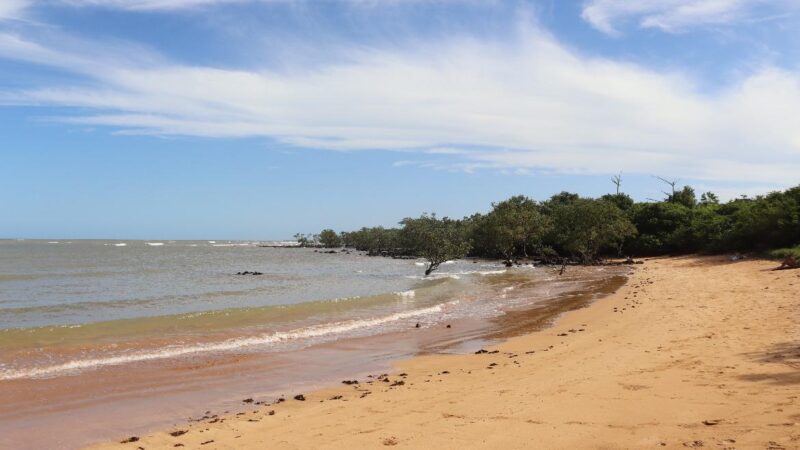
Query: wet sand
(98, 405)
(690, 353)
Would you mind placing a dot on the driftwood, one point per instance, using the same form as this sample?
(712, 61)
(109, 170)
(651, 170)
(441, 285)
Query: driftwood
(790, 262)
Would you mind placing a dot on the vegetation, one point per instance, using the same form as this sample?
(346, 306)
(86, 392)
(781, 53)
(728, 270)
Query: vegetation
(583, 227)
(783, 253)
(586, 229)
(329, 239)
(436, 240)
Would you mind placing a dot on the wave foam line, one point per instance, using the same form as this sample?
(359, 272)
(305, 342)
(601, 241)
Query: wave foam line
(232, 344)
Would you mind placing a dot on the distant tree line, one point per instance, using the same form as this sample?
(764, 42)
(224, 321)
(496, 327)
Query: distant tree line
(584, 230)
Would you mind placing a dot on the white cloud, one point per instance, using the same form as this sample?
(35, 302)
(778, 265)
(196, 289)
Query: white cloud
(12, 9)
(529, 104)
(147, 5)
(676, 15)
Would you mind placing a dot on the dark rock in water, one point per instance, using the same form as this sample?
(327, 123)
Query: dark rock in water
(348, 382)
(178, 433)
(398, 383)
(481, 351)
(129, 440)
(300, 397)
(271, 412)
(247, 400)
(508, 263)
(448, 326)
(417, 325)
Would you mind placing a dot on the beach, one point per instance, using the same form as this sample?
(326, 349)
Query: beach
(691, 352)
(123, 340)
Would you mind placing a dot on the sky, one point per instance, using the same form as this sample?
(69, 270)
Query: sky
(258, 119)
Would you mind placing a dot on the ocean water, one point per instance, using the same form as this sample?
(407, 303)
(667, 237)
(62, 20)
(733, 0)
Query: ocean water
(101, 338)
(67, 306)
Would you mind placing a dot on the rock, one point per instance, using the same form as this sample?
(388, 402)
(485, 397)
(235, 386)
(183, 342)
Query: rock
(448, 326)
(348, 382)
(129, 440)
(300, 397)
(417, 325)
(247, 400)
(177, 433)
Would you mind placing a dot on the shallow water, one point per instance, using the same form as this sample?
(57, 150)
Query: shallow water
(96, 336)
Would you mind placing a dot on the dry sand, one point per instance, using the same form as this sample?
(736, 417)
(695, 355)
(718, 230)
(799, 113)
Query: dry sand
(692, 352)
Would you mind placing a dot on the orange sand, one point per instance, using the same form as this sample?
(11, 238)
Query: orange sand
(692, 352)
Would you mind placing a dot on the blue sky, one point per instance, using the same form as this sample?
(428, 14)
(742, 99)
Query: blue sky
(256, 119)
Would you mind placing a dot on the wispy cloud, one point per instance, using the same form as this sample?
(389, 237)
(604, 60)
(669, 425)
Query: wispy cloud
(531, 103)
(677, 15)
(13, 9)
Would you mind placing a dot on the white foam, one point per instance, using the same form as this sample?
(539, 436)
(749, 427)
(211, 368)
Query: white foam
(155, 244)
(231, 344)
(407, 294)
(122, 244)
(53, 242)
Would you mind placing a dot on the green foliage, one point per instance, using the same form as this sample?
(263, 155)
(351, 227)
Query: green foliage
(437, 240)
(373, 240)
(622, 201)
(585, 226)
(513, 225)
(568, 225)
(783, 253)
(329, 239)
(684, 197)
(663, 227)
(301, 239)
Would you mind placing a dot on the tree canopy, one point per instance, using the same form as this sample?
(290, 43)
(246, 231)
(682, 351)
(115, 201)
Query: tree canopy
(437, 240)
(570, 226)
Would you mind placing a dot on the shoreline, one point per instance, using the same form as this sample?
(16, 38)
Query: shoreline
(99, 404)
(662, 362)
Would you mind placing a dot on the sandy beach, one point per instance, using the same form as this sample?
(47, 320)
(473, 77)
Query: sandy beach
(691, 352)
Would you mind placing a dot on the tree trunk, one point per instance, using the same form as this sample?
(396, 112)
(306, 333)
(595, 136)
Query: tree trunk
(431, 267)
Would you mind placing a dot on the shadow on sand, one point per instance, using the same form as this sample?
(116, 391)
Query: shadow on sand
(785, 353)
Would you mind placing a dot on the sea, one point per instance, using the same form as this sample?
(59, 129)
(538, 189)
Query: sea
(103, 338)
